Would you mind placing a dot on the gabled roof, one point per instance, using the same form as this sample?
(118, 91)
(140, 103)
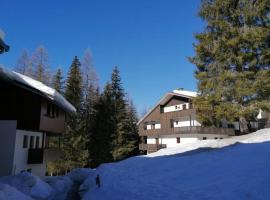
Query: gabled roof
(167, 97)
(36, 87)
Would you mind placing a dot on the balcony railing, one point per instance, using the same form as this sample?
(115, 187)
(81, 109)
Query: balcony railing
(35, 156)
(152, 147)
(189, 130)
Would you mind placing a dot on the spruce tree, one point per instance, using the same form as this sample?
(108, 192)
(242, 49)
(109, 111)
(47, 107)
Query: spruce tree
(232, 57)
(57, 81)
(75, 139)
(104, 126)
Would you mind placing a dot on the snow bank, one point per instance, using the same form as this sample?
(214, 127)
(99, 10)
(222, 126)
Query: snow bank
(30, 185)
(9, 193)
(80, 174)
(233, 168)
(258, 136)
(61, 186)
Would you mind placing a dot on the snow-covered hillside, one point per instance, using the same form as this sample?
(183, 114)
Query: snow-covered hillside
(233, 168)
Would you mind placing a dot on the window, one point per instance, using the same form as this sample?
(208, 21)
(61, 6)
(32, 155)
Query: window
(176, 122)
(176, 107)
(32, 140)
(184, 107)
(48, 109)
(56, 111)
(25, 141)
(37, 142)
(52, 110)
(152, 126)
(178, 140)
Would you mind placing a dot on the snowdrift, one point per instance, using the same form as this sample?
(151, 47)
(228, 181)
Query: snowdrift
(233, 168)
(26, 186)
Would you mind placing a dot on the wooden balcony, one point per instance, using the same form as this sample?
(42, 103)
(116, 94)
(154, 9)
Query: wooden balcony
(152, 147)
(189, 130)
(35, 156)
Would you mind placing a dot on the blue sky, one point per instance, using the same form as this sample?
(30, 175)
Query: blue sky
(149, 40)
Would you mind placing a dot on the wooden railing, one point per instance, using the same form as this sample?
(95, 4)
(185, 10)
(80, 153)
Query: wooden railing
(203, 130)
(152, 147)
(189, 130)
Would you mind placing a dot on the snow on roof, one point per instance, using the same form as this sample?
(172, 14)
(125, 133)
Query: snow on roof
(164, 99)
(41, 88)
(186, 93)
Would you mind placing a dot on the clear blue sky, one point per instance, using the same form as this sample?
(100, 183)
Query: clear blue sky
(148, 39)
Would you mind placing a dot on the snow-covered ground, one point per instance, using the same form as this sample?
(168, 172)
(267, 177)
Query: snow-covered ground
(233, 168)
(25, 186)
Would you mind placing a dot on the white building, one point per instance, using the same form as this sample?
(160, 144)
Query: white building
(30, 113)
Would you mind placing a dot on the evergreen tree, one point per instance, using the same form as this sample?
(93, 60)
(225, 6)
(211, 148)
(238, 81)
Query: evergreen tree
(75, 139)
(57, 81)
(74, 84)
(23, 64)
(101, 138)
(232, 57)
(128, 137)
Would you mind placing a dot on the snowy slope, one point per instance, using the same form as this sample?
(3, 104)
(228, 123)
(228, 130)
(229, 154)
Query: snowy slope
(233, 168)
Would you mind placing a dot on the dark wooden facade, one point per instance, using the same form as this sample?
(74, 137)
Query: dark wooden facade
(29, 110)
(166, 120)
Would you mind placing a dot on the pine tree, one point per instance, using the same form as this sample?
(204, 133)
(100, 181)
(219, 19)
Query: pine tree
(57, 81)
(75, 139)
(74, 84)
(128, 137)
(232, 56)
(23, 64)
(104, 126)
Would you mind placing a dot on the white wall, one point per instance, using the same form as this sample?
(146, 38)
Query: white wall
(175, 107)
(171, 141)
(7, 145)
(186, 123)
(21, 154)
(156, 126)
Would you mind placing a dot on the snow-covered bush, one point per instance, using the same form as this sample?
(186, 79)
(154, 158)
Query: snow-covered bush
(9, 193)
(30, 185)
(80, 174)
(61, 186)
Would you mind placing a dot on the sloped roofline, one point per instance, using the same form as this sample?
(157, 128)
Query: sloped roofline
(167, 97)
(36, 87)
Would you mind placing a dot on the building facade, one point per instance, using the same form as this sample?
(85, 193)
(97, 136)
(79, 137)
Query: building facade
(173, 121)
(30, 114)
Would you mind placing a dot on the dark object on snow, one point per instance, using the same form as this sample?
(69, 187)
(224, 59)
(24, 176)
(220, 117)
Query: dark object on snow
(3, 47)
(98, 181)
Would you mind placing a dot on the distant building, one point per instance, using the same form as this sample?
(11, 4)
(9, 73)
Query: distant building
(172, 121)
(30, 114)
